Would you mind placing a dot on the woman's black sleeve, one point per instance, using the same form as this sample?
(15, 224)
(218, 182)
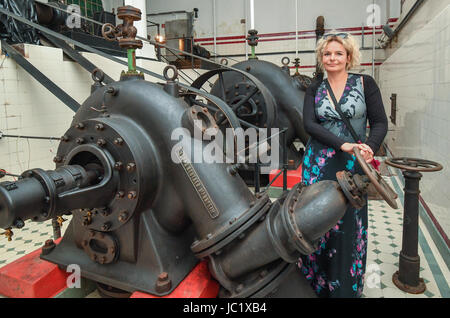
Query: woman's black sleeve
(375, 114)
(311, 124)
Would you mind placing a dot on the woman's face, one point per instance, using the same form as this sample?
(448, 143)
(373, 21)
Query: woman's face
(335, 57)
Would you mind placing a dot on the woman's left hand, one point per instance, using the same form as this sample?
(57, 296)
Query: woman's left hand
(366, 152)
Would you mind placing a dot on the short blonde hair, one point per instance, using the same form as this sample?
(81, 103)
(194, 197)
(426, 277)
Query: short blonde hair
(349, 43)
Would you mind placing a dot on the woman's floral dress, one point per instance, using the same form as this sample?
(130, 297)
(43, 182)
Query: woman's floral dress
(337, 267)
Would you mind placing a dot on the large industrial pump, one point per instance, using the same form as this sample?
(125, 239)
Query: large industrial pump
(141, 207)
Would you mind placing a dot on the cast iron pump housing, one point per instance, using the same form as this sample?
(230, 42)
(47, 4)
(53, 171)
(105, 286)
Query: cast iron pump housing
(141, 207)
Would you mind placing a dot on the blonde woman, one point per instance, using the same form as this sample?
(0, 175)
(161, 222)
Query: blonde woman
(337, 268)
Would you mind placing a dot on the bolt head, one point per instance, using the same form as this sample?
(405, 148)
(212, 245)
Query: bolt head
(120, 194)
(123, 216)
(101, 142)
(132, 195)
(131, 167)
(163, 277)
(118, 141)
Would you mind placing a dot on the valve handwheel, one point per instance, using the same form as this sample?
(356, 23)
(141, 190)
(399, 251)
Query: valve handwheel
(109, 32)
(248, 98)
(377, 180)
(413, 164)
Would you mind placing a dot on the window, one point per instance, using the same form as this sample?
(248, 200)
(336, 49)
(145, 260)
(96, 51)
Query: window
(88, 7)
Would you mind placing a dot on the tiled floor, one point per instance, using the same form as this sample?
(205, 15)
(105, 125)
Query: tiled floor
(26, 240)
(385, 240)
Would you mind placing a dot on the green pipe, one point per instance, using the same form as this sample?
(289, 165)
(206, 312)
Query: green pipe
(131, 60)
(253, 53)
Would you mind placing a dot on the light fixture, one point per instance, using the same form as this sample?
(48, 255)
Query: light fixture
(159, 38)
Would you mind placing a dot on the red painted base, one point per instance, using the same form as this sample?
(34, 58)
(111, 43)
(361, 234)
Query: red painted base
(198, 284)
(31, 277)
(293, 177)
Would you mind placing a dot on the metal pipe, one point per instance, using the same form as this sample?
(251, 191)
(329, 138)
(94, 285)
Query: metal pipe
(28, 137)
(214, 27)
(56, 229)
(296, 29)
(284, 52)
(245, 31)
(257, 178)
(285, 160)
(407, 277)
(362, 36)
(373, 39)
(252, 15)
(165, 13)
(405, 20)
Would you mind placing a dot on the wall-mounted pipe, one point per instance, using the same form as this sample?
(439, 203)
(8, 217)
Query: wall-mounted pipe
(296, 29)
(405, 20)
(373, 39)
(246, 28)
(252, 15)
(214, 26)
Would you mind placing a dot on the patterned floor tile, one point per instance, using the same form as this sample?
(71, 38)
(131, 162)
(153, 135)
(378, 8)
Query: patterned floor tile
(372, 292)
(26, 240)
(388, 248)
(388, 258)
(389, 292)
(423, 295)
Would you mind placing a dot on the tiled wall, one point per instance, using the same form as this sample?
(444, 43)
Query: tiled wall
(419, 73)
(28, 109)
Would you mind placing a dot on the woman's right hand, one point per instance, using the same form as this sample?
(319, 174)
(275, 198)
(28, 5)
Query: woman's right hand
(365, 150)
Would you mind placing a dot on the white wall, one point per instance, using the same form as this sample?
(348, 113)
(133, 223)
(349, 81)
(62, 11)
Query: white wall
(272, 16)
(418, 71)
(275, 22)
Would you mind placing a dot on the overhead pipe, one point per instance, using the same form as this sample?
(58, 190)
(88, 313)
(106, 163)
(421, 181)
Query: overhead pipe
(405, 20)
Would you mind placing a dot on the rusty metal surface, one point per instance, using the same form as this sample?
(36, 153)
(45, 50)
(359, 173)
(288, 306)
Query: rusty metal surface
(126, 32)
(377, 180)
